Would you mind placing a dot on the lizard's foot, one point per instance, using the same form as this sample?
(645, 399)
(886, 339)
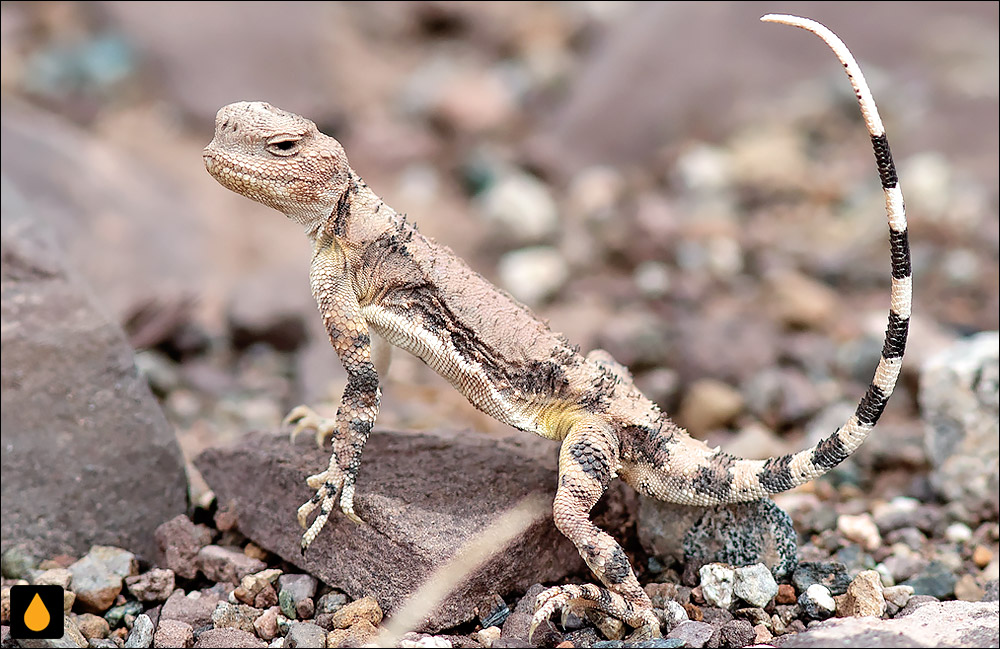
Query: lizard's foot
(579, 598)
(305, 418)
(327, 485)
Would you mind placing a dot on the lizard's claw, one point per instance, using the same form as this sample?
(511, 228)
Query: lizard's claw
(580, 599)
(327, 485)
(305, 418)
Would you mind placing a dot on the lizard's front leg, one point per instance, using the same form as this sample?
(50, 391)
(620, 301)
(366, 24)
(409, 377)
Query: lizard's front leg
(349, 336)
(587, 463)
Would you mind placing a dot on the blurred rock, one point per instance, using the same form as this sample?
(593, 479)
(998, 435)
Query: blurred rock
(270, 307)
(960, 401)
(532, 274)
(520, 209)
(801, 302)
(77, 418)
(707, 405)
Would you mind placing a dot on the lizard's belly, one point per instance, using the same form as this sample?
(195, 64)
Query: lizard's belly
(471, 377)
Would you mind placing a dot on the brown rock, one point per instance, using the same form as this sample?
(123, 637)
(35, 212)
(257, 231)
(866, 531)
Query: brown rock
(416, 519)
(364, 609)
(356, 636)
(153, 586)
(195, 609)
(92, 626)
(266, 625)
(864, 596)
(173, 633)
(227, 564)
(228, 638)
(786, 594)
(179, 541)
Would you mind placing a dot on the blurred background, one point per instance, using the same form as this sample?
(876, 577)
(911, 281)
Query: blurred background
(679, 183)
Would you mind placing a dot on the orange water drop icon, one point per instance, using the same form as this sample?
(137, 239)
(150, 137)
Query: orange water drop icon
(36, 617)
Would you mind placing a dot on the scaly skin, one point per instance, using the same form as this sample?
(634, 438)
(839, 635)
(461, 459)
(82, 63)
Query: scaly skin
(373, 273)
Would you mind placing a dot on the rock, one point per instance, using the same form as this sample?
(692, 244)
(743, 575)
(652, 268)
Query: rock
(755, 585)
(365, 609)
(898, 596)
(864, 596)
(831, 574)
(123, 614)
(694, 634)
(173, 633)
(61, 577)
(968, 589)
(179, 541)
(817, 602)
(861, 529)
(141, 635)
(235, 616)
(331, 602)
(18, 562)
(92, 626)
(263, 310)
(961, 405)
(228, 638)
(492, 611)
(786, 594)
(227, 564)
(487, 636)
(153, 586)
(936, 580)
(736, 633)
(266, 624)
(532, 274)
(97, 577)
(739, 535)
(801, 302)
(672, 615)
(717, 584)
(195, 608)
(305, 634)
(107, 443)
(935, 624)
(414, 525)
(294, 589)
(982, 556)
(356, 636)
(520, 208)
(251, 587)
(709, 404)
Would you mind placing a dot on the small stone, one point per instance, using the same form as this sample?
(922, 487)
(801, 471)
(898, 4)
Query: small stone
(425, 641)
(936, 580)
(153, 586)
(709, 404)
(97, 576)
(17, 562)
(672, 614)
(717, 580)
(179, 541)
(226, 564)
(958, 533)
(331, 602)
(365, 609)
(521, 208)
(266, 624)
(761, 634)
(492, 611)
(736, 633)
(831, 574)
(92, 626)
(991, 591)
(173, 633)
(356, 635)
(865, 596)
(304, 609)
(195, 608)
(293, 589)
(898, 596)
(694, 634)
(141, 635)
(861, 529)
(817, 602)
(968, 589)
(254, 551)
(487, 636)
(801, 302)
(982, 556)
(755, 585)
(228, 638)
(305, 634)
(786, 594)
(117, 615)
(54, 577)
(533, 274)
(235, 616)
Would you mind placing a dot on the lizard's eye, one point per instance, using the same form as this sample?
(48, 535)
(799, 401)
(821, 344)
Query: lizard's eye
(282, 147)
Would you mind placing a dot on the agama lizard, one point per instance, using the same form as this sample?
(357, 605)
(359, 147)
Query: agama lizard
(373, 273)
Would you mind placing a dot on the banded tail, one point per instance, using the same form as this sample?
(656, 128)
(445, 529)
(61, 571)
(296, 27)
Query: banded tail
(753, 479)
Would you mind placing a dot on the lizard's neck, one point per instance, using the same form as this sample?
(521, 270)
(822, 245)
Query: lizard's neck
(360, 216)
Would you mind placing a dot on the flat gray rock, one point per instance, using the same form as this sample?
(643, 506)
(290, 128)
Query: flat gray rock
(423, 497)
(88, 457)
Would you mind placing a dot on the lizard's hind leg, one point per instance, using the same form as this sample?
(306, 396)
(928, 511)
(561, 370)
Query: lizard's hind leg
(587, 464)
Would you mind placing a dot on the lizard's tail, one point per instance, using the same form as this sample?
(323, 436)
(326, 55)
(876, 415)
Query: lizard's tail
(782, 473)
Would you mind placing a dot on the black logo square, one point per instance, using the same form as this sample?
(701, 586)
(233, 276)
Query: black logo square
(36, 612)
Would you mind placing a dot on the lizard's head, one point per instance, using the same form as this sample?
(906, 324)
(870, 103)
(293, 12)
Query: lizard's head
(278, 159)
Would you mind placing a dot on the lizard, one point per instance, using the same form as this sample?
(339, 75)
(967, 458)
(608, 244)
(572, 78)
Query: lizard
(374, 275)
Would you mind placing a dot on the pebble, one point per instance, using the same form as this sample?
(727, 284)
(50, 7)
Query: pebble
(831, 574)
(235, 616)
(736, 633)
(786, 594)
(173, 633)
(817, 602)
(92, 626)
(968, 589)
(521, 207)
(266, 624)
(179, 541)
(54, 577)
(861, 529)
(864, 596)
(762, 635)
(487, 636)
(141, 635)
(356, 635)
(228, 638)
(694, 634)
(153, 586)
(117, 615)
(904, 563)
(427, 641)
(226, 564)
(717, 580)
(492, 611)
(251, 586)
(97, 576)
(898, 595)
(982, 556)
(709, 404)
(294, 590)
(331, 603)
(958, 533)
(17, 562)
(195, 608)
(533, 274)
(671, 614)
(801, 302)
(936, 580)
(305, 634)
(755, 585)
(365, 609)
